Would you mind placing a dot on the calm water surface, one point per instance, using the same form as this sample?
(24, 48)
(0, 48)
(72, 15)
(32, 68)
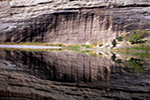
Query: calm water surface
(70, 75)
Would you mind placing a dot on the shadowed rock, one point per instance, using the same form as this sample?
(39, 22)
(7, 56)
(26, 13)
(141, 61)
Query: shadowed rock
(69, 75)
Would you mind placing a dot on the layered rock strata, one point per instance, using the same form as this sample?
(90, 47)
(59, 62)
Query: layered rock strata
(71, 22)
(68, 75)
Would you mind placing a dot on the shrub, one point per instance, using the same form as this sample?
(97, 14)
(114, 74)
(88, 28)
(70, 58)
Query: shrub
(136, 36)
(119, 38)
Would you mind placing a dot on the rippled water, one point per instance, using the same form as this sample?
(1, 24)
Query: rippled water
(71, 75)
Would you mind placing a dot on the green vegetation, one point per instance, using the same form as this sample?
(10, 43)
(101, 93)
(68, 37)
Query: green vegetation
(82, 46)
(73, 46)
(34, 50)
(137, 39)
(135, 65)
(114, 43)
(142, 47)
(141, 55)
(137, 36)
(118, 61)
(113, 57)
(86, 46)
(31, 43)
(119, 38)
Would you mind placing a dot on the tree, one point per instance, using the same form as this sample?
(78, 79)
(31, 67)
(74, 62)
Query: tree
(114, 43)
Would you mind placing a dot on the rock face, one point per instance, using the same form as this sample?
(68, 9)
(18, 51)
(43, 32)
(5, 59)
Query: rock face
(68, 75)
(71, 22)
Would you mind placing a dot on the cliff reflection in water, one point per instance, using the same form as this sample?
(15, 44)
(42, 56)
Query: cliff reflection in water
(66, 66)
(70, 75)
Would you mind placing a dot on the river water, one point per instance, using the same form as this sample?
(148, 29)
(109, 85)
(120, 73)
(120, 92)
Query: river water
(72, 75)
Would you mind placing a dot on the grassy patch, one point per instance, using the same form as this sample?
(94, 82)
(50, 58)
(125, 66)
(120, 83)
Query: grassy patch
(142, 47)
(31, 43)
(34, 50)
(138, 47)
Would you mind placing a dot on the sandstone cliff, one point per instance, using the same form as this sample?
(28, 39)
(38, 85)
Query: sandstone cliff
(67, 75)
(71, 21)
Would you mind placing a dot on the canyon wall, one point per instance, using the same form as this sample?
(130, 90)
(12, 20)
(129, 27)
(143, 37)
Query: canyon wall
(71, 22)
(69, 75)
(66, 66)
